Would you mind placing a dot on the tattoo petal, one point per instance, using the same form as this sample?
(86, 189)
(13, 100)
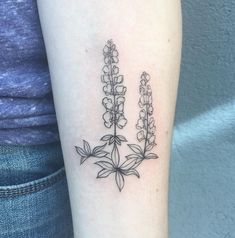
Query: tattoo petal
(121, 122)
(140, 136)
(119, 79)
(115, 69)
(105, 69)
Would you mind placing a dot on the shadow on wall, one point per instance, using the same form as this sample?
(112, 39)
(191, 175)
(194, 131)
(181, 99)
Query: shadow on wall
(202, 176)
(208, 57)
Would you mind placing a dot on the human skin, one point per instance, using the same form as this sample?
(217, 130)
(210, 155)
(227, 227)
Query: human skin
(147, 35)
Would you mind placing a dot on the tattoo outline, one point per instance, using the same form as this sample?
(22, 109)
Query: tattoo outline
(109, 161)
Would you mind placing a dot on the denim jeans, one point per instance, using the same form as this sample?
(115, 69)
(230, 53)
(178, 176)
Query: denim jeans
(34, 200)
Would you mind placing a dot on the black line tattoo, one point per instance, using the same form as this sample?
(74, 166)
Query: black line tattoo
(145, 124)
(109, 159)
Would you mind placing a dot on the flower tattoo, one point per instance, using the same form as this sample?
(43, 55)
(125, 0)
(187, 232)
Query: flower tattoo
(108, 156)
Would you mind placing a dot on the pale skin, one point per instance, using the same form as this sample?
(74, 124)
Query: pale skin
(148, 38)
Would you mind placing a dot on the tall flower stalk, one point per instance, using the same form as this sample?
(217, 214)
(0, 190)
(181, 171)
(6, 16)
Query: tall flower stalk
(114, 100)
(114, 118)
(109, 160)
(145, 124)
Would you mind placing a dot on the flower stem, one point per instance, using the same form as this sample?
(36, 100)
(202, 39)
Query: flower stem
(114, 99)
(147, 129)
(114, 111)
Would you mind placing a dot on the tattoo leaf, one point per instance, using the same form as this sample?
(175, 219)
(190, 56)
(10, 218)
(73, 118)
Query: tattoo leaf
(106, 137)
(117, 140)
(136, 148)
(86, 147)
(107, 169)
(151, 156)
(80, 151)
(132, 172)
(104, 173)
(105, 165)
(111, 140)
(115, 156)
(119, 180)
(150, 146)
(121, 138)
(83, 153)
(131, 163)
(98, 148)
(99, 152)
(134, 156)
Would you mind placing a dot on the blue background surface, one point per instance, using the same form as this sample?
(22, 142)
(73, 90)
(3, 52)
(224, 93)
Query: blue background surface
(202, 182)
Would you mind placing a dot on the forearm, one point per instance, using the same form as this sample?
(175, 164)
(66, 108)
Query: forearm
(93, 100)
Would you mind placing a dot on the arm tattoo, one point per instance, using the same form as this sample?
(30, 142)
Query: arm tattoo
(108, 157)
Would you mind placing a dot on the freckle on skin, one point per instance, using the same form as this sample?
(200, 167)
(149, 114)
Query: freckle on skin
(169, 40)
(166, 132)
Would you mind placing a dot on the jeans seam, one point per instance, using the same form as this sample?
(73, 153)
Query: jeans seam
(32, 187)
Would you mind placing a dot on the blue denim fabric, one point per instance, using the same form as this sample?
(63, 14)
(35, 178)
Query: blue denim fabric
(34, 201)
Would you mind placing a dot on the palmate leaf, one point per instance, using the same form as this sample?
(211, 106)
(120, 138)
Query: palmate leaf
(119, 180)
